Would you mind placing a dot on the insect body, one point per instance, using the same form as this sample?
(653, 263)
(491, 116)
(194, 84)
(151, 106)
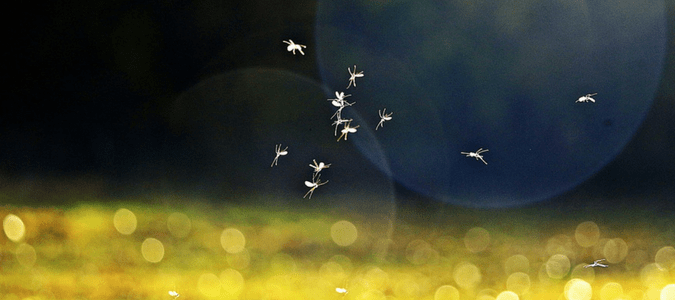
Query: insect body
(476, 154)
(279, 152)
(174, 294)
(383, 117)
(318, 167)
(586, 98)
(293, 46)
(315, 183)
(347, 130)
(596, 264)
(353, 75)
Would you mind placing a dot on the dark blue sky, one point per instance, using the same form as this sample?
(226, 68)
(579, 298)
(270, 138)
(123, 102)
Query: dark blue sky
(95, 89)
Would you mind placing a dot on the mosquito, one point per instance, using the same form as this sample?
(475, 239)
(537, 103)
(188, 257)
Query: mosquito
(279, 152)
(476, 154)
(383, 117)
(174, 294)
(340, 103)
(318, 167)
(338, 122)
(346, 130)
(353, 75)
(586, 98)
(293, 46)
(596, 264)
(315, 183)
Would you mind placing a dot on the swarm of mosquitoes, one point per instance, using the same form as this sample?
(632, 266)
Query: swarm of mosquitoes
(341, 103)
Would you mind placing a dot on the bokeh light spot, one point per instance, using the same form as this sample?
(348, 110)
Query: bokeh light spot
(517, 263)
(239, 260)
(611, 291)
(557, 266)
(232, 281)
(577, 289)
(232, 240)
(209, 285)
(14, 228)
(152, 250)
(615, 250)
(652, 275)
(587, 234)
(26, 255)
(668, 292)
(477, 239)
(344, 233)
(125, 221)
(179, 225)
(518, 283)
(446, 292)
(665, 258)
(507, 295)
(467, 275)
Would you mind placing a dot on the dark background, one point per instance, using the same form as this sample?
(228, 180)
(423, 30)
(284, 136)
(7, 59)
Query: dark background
(91, 91)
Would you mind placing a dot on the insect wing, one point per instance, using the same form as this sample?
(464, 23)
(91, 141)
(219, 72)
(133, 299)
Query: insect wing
(310, 184)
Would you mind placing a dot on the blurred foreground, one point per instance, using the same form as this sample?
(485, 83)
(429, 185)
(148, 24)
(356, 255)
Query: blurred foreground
(136, 250)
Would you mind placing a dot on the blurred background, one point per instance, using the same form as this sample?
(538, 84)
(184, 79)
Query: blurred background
(179, 105)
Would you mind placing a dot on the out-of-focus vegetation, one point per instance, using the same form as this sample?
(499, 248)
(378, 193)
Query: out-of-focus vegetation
(141, 250)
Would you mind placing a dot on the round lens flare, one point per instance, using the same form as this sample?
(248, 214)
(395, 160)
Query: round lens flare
(446, 292)
(232, 240)
(125, 221)
(152, 250)
(14, 228)
(587, 234)
(577, 289)
(344, 233)
(477, 239)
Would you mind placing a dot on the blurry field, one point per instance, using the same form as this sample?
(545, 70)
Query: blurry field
(144, 251)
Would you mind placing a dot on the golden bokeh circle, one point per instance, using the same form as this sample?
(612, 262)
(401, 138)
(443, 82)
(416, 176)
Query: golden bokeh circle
(152, 250)
(232, 282)
(517, 263)
(615, 250)
(611, 291)
(668, 292)
(14, 228)
(344, 233)
(125, 221)
(577, 289)
(467, 275)
(518, 283)
(232, 240)
(209, 285)
(26, 255)
(665, 258)
(446, 292)
(587, 234)
(477, 239)
(507, 295)
(557, 266)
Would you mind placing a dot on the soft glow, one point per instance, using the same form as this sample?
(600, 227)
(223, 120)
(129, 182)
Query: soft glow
(26, 255)
(179, 225)
(467, 275)
(420, 252)
(615, 250)
(517, 263)
(344, 233)
(507, 295)
(665, 258)
(14, 228)
(239, 260)
(152, 250)
(376, 278)
(653, 276)
(446, 292)
(477, 239)
(587, 234)
(124, 221)
(557, 266)
(611, 291)
(518, 283)
(668, 292)
(209, 285)
(577, 289)
(232, 282)
(232, 240)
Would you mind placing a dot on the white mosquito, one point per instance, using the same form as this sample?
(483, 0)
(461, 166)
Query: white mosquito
(318, 167)
(346, 130)
(315, 183)
(586, 98)
(279, 152)
(596, 264)
(353, 75)
(174, 294)
(340, 103)
(476, 154)
(293, 46)
(383, 117)
(338, 122)
(341, 291)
